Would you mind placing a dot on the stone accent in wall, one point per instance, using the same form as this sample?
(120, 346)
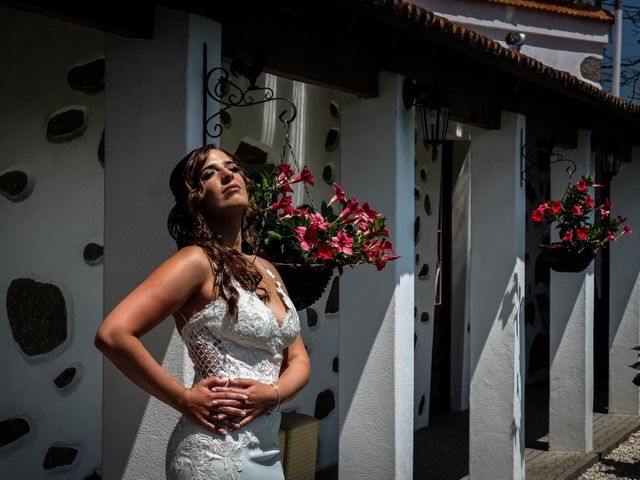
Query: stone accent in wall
(14, 185)
(65, 377)
(225, 119)
(59, 456)
(12, 429)
(421, 405)
(424, 317)
(416, 230)
(312, 317)
(334, 109)
(251, 154)
(37, 315)
(427, 204)
(424, 272)
(93, 253)
(87, 77)
(333, 300)
(417, 259)
(101, 149)
(335, 364)
(423, 174)
(327, 174)
(67, 124)
(416, 194)
(591, 69)
(325, 403)
(333, 140)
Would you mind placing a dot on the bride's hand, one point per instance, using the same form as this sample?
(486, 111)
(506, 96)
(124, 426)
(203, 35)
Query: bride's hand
(205, 403)
(261, 397)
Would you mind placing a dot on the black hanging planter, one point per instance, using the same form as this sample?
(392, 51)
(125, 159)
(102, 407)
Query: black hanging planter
(305, 283)
(562, 260)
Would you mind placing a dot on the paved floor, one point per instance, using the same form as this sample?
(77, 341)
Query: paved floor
(441, 450)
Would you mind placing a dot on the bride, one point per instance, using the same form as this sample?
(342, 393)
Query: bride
(240, 327)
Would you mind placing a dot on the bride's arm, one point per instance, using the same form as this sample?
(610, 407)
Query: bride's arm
(161, 294)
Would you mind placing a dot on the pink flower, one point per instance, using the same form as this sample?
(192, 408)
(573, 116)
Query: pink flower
(610, 237)
(352, 207)
(284, 173)
(284, 188)
(626, 229)
(283, 203)
(581, 186)
(607, 203)
(556, 206)
(339, 196)
(324, 252)
(317, 220)
(576, 210)
(567, 236)
(305, 176)
(604, 213)
(343, 243)
(589, 201)
(582, 233)
(307, 237)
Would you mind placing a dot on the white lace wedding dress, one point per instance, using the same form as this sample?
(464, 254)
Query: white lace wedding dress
(250, 347)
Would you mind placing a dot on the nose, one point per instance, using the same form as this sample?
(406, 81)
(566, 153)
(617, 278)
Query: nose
(227, 175)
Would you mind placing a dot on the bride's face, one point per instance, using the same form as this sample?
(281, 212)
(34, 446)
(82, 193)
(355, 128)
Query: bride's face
(225, 188)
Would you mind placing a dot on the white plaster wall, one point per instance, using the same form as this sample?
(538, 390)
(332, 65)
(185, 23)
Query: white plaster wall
(259, 126)
(559, 41)
(426, 253)
(44, 237)
(154, 114)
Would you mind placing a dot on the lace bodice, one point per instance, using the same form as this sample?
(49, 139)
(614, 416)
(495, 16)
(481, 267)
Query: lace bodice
(249, 347)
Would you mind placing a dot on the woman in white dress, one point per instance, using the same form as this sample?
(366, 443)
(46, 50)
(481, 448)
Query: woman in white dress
(234, 315)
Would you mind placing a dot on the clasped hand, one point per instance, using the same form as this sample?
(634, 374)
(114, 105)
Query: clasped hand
(223, 405)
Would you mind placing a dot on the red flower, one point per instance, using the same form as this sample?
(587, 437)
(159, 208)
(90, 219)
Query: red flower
(307, 237)
(352, 207)
(343, 243)
(626, 229)
(283, 203)
(581, 186)
(305, 176)
(340, 195)
(537, 215)
(556, 206)
(604, 213)
(610, 237)
(284, 173)
(576, 210)
(317, 220)
(582, 233)
(607, 203)
(284, 188)
(567, 236)
(589, 201)
(324, 252)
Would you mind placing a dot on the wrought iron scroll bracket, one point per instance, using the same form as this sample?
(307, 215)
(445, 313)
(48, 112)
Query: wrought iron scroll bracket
(529, 159)
(228, 94)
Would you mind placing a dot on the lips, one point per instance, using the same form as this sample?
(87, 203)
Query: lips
(231, 188)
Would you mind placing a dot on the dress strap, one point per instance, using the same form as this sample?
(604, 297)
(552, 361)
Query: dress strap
(271, 274)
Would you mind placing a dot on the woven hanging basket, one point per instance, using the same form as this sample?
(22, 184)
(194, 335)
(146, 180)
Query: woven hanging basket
(305, 283)
(562, 260)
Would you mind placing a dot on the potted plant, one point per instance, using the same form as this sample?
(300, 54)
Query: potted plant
(305, 244)
(580, 237)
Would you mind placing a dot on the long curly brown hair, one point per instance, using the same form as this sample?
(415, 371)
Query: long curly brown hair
(187, 226)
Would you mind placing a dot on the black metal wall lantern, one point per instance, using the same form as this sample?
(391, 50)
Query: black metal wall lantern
(434, 113)
(611, 157)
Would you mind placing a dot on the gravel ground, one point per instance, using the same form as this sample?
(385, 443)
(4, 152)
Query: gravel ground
(621, 463)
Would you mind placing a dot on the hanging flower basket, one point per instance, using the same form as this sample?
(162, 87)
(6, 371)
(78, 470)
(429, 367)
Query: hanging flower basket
(562, 260)
(305, 283)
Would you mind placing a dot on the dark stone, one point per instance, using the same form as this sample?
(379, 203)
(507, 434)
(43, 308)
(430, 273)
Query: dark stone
(334, 364)
(333, 140)
(333, 300)
(327, 174)
(66, 377)
(591, 69)
(416, 230)
(12, 429)
(334, 109)
(88, 78)
(325, 403)
(417, 259)
(427, 204)
(225, 119)
(424, 272)
(59, 457)
(66, 125)
(37, 315)
(251, 154)
(415, 312)
(416, 194)
(312, 317)
(421, 405)
(424, 317)
(423, 174)
(93, 476)
(13, 183)
(93, 253)
(415, 340)
(101, 149)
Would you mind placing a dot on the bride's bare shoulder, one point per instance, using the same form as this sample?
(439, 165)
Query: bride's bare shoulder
(194, 259)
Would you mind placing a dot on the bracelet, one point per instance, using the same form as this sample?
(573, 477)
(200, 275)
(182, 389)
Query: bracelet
(275, 409)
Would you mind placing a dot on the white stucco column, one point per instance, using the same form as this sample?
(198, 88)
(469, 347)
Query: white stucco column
(571, 331)
(153, 118)
(624, 296)
(496, 423)
(376, 308)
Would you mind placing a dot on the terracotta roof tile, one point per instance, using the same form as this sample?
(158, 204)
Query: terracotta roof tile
(493, 49)
(594, 14)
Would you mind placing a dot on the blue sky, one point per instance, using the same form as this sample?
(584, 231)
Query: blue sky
(630, 46)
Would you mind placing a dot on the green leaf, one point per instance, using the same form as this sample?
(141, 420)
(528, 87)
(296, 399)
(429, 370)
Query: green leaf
(275, 235)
